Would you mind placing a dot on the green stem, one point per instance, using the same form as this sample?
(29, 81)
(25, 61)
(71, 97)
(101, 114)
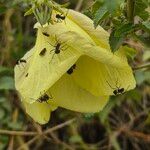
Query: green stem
(130, 10)
(142, 66)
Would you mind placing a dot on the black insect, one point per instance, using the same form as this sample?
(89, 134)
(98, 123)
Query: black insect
(26, 75)
(44, 98)
(121, 90)
(21, 61)
(58, 47)
(70, 71)
(61, 17)
(117, 90)
(45, 33)
(43, 51)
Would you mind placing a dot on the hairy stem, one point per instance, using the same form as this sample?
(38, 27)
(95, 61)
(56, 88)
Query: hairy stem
(130, 10)
(142, 66)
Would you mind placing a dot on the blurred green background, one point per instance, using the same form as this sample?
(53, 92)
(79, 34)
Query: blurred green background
(124, 124)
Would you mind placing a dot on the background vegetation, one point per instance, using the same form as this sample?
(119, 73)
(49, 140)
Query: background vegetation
(124, 124)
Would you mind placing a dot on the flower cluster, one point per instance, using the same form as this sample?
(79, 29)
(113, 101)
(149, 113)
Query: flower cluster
(71, 66)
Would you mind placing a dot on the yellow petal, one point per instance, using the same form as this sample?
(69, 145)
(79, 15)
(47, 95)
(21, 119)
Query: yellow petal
(88, 40)
(83, 45)
(66, 93)
(43, 71)
(22, 69)
(102, 79)
(81, 38)
(99, 35)
(83, 26)
(40, 112)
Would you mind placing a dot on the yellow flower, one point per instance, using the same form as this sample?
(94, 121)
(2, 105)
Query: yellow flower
(72, 63)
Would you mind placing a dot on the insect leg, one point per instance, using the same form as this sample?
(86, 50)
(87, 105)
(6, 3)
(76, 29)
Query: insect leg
(66, 16)
(62, 47)
(22, 65)
(52, 50)
(51, 44)
(34, 99)
(110, 85)
(117, 83)
(56, 39)
(51, 97)
(67, 12)
(65, 49)
(52, 58)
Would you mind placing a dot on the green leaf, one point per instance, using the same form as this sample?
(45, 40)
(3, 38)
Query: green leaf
(7, 83)
(97, 5)
(65, 4)
(130, 52)
(124, 29)
(29, 12)
(15, 125)
(5, 70)
(55, 6)
(99, 15)
(2, 113)
(113, 5)
(140, 6)
(146, 24)
(146, 55)
(75, 139)
(117, 36)
(2, 9)
(144, 15)
(142, 76)
(115, 41)
(104, 113)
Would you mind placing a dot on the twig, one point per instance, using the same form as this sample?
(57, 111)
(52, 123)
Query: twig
(79, 4)
(24, 133)
(142, 66)
(58, 141)
(14, 119)
(37, 127)
(137, 134)
(141, 135)
(39, 130)
(21, 142)
(29, 142)
(59, 126)
(11, 143)
(20, 133)
(47, 131)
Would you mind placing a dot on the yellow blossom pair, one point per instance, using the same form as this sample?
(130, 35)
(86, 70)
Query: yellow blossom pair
(59, 46)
